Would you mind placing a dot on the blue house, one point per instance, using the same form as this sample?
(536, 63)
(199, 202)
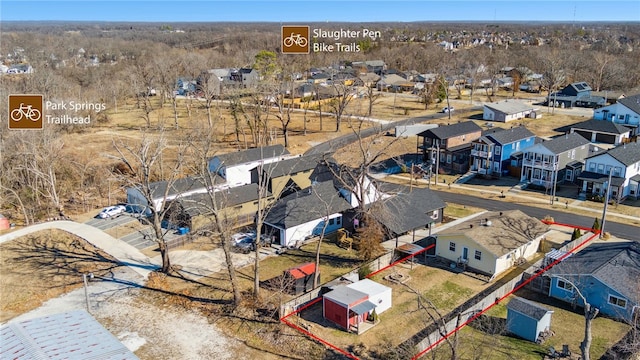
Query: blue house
(527, 319)
(491, 153)
(606, 274)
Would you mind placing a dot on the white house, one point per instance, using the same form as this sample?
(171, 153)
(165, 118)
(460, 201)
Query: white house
(304, 214)
(624, 163)
(236, 167)
(626, 112)
(491, 242)
(162, 191)
(507, 110)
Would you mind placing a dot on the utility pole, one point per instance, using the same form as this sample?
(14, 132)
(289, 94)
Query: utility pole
(437, 162)
(606, 202)
(555, 181)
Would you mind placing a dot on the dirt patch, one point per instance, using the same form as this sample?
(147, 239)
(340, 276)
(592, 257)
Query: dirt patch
(45, 265)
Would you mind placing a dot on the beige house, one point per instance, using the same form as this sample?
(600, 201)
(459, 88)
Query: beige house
(492, 242)
(237, 206)
(288, 176)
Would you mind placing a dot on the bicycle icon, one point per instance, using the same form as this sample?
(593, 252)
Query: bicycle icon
(295, 39)
(27, 112)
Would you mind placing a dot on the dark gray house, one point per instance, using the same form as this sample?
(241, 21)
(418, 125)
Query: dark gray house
(452, 143)
(576, 94)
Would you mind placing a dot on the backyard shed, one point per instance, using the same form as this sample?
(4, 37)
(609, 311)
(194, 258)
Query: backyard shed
(300, 279)
(379, 294)
(346, 307)
(527, 319)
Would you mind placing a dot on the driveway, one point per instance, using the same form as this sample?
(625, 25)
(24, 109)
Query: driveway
(109, 223)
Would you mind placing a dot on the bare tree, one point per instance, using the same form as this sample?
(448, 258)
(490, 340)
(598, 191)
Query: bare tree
(343, 96)
(222, 221)
(144, 160)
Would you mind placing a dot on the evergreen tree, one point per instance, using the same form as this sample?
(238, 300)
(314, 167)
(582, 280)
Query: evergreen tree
(596, 225)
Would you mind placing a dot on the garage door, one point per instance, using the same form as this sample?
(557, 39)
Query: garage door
(584, 134)
(606, 138)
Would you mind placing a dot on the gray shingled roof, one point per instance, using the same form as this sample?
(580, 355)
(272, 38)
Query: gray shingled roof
(255, 154)
(406, 209)
(448, 131)
(508, 136)
(71, 335)
(528, 308)
(180, 186)
(563, 143)
(307, 205)
(601, 126)
(199, 204)
(627, 154)
(293, 165)
(632, 102)
(508, 231)
(509, 106)
(616, 264)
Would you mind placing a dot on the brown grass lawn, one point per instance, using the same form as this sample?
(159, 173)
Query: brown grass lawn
(445, 289)
(45, 265)
(568, 326)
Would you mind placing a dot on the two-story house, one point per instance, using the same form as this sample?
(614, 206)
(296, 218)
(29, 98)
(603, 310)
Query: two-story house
(491, 153)
(452, 143)
(623, 162)
(236, 167)
(553, 161)
(575, 94)
(625, 112)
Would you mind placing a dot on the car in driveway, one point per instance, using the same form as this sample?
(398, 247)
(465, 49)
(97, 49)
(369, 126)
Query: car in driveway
(447, 109)
(247, 244)
(112, 211)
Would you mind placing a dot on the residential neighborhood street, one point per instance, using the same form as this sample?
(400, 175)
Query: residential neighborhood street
(617, 229)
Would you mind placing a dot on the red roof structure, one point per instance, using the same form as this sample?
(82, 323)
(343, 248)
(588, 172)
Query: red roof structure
(303, 270)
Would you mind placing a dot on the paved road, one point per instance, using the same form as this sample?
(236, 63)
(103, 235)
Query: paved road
(332, 145)
(620, 230)
(104, 224)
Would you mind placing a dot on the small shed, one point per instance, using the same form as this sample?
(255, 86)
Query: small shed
(527, 319)
(300, 279)
(346, 307)
(379, 294)
(4, 223)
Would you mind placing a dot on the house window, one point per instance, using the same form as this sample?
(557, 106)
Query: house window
(600, 168)
(478, 255)
(452, 246)
(565, 285)
(592, 167)
(617, 171)
(613, 300)
(338, 220)
(449, 159)
(497, 150)
(331, 221)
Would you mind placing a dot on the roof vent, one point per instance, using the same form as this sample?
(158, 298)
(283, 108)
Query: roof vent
(470, 226)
